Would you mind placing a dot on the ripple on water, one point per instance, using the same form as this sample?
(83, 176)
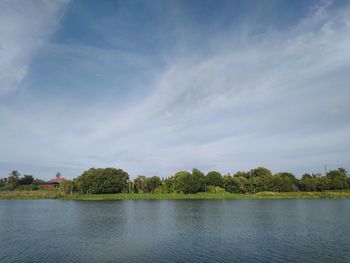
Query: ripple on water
(175, 231)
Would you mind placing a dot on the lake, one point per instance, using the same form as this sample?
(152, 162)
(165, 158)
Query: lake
(175, 231)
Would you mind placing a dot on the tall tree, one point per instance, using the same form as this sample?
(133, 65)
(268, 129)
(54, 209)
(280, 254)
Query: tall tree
(189, 183)
(182, 182)
(260, 171)
(13, 178)
(215, 178)
(338, 179)
(26, 180)
(152, 183)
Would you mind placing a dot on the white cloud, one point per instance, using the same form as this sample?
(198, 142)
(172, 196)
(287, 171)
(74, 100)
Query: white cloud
(240, 98)
(24, 27)
(279, 100)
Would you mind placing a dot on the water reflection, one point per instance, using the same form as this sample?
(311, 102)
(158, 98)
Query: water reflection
(175, 231)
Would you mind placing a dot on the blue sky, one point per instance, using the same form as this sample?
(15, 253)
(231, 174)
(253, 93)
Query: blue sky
(154, 87)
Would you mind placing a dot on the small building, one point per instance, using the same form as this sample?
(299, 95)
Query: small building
(54, 183)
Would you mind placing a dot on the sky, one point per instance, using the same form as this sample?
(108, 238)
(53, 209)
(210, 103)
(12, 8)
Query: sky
(154, 87)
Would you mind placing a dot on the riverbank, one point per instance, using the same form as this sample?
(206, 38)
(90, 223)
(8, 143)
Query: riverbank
(30, 195)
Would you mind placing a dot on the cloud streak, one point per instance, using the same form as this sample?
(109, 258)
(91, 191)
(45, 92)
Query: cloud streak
(24, 27)
(277, 99)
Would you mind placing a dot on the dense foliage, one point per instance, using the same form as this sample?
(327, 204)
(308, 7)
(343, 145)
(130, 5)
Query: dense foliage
(256, 180)
(143, 184)
(112, 180)
(102, 181)
(15, 181)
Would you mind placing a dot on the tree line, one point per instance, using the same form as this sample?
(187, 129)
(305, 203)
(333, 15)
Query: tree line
(112, 180)
(16, 181)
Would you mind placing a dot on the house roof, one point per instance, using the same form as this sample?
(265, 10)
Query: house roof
(57, 180)
(49, 183)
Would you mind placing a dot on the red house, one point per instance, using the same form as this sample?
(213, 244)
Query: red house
(54, 183)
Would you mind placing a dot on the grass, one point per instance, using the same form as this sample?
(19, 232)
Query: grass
(57, 194)
(24, 195)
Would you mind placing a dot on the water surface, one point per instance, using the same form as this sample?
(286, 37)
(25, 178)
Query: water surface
(175, 231)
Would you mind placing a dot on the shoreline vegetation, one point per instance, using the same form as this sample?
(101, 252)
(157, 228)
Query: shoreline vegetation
(115, 184)
(59, 194)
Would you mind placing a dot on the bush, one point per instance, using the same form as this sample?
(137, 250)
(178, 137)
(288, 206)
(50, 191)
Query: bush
(159, 190)
(215, 189)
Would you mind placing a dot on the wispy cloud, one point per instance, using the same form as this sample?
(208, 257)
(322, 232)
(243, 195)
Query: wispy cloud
(262, 98)
(277, 99)
(24, 27)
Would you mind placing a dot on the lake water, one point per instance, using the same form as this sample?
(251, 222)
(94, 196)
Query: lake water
(175, 231)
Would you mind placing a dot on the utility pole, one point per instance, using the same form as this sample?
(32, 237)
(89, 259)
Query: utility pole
(325, 169)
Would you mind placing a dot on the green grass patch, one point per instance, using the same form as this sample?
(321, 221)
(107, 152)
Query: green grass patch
(29, 195)
(57, 194)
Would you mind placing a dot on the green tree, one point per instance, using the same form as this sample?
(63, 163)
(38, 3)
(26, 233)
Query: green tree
(242, 174)
(322, 183)
(67, 186)
(231, 184)
(283, 182)
(26, 180)
(198, 181)
(260, 171)
(314, 175)
(103, 181)
(264, 182)
(307, 184)
(243, 184)
(168, 185)
(130, 186)
(253, 185)
(289, 175)
(152, 183)
(338, 179)
(306, 176)
(3, 182)
(215, 178)
(182, 182)
(189, 183)
(140, 184)
(13, 180)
